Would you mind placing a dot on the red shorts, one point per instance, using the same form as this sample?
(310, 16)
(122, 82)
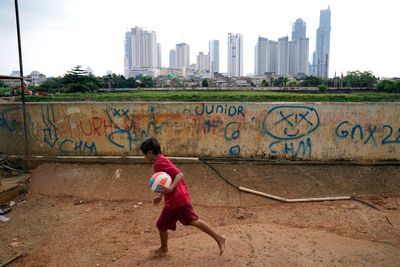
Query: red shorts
(168, 218)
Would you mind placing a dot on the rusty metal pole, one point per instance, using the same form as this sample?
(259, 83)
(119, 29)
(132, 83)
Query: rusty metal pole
(21, 70)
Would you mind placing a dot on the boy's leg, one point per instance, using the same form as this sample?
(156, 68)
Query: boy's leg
(164, 243)
(220, 239)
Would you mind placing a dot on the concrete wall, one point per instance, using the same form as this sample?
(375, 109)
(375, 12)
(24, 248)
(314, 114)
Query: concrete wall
(307, 131)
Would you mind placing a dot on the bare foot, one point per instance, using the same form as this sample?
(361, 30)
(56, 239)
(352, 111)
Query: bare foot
(160, 251)
(221, 244)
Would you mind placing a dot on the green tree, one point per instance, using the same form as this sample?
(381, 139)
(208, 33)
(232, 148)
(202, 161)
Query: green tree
(322, 88)
(204, 83)
(281, 81)
(76, 75)
(389, 86)
(360, 79)
(147, 82)
(264, 83)
(311, 81)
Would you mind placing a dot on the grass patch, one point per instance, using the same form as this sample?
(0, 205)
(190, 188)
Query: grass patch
(218, 96)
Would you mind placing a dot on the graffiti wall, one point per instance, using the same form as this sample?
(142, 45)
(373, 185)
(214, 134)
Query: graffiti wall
(298, 131)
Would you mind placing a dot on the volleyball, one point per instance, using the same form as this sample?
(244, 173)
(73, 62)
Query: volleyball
(159, 178)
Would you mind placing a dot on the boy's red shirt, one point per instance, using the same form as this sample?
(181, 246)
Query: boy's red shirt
(180, 196)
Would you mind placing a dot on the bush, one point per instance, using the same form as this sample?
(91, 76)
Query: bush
(322, 88)
(389, 86)
(77, 88)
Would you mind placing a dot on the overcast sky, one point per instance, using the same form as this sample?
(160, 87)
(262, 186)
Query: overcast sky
(60, 34)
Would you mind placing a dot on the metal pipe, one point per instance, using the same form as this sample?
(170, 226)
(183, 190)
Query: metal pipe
(21, 70)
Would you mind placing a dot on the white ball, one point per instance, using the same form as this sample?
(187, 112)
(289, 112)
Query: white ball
(159, 178)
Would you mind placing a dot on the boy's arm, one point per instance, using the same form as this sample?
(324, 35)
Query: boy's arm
(166, 190)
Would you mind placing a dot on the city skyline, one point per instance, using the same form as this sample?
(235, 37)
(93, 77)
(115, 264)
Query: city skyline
(57, 38)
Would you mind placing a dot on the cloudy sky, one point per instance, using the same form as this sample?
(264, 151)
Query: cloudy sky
(58, 35)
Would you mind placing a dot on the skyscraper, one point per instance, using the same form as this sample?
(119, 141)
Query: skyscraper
(303, 55)
(172, 59)
(283, 56)
(182, 55)
(235, 55)
(298, 29)
(321, 55)
(128, 53)
(272, 59)
(261, 55)
(144, 48)
(214, 56)
(158, 55)
(203, 62)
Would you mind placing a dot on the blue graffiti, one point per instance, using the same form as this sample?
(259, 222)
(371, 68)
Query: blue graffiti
(230, 110)
(356, 132)
(49, 120)
(7, 123)
(386, 140)
(235, 133)
(289, 148)
(81, 147)
(234, 151)
(290, 122)
(120, 112)
(212, 124)
(131, 130)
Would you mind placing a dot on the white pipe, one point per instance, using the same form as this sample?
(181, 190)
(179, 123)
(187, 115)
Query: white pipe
(292, 200)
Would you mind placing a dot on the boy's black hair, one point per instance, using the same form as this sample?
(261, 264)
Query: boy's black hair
(150, 144)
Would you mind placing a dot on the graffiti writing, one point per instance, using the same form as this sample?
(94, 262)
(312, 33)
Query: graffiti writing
(230, 110)
(77, 147)
(127, 130)
(290, 122)
(292, 148)
(355, 132)
(8, 121)
(50, 132)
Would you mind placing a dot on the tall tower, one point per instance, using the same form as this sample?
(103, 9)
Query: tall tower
(172, 59)
(158, 55)
(283, 56)
(203, 62)
(321, 55)
(235, 55)
(128, 53)
(298, 29)
(261, 54)
(272, 59)
(182, 55)
(144, 48)
(214, 56)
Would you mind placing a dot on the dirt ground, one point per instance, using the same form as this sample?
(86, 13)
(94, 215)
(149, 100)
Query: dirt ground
(85, 215)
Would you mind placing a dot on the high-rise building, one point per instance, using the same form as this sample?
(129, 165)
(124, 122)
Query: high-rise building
(128, 53)
(214, 56)
(158, 55)
(261, 55)
(298, 29)
(272, 59)
(203, 62)
(283, 56)
(293, 58)
(144, 48)
(303, 55)
(235, 55)
(172, 59)
(321, 55)
(140, 52)
(182, 55)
